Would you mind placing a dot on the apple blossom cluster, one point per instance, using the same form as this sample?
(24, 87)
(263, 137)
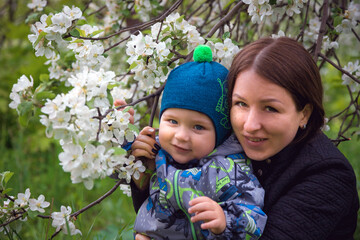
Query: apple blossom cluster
(47, 34)
(350, 20)
(61, 221)
(260, 9)
(150, 55)
(19, 206)
(354, 69)
(37, 5)
(223, 52)
(71, 118)
(88, 52)
(312, 34)
(21, 91)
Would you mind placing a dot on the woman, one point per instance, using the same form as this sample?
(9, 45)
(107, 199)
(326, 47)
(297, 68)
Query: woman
(276, 114)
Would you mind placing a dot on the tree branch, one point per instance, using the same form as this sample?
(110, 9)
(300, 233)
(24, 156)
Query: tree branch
(339, 68)
(227, 17)
(322, 29)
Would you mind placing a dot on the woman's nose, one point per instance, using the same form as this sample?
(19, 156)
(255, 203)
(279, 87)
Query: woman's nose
(252, 121)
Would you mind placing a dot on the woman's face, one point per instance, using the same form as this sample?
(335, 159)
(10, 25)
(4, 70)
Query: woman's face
(264, 116)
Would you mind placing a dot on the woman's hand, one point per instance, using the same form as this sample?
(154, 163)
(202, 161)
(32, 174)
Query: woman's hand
(210, 212)
(141, 237)
(145, 144)
(145, 148)
(119, 102)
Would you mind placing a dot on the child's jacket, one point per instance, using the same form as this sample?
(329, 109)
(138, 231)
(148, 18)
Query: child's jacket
(224, 176)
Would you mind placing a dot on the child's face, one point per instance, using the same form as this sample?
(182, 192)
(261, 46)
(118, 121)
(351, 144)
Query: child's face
(186, 134)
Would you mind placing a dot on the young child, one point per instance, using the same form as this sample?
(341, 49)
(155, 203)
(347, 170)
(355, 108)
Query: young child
(203, 187)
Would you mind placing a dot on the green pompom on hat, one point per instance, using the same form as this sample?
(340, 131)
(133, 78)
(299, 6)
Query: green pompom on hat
(200, 86)
(202, 53)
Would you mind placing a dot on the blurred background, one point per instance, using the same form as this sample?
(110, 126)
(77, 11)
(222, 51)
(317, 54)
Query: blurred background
(34, 158)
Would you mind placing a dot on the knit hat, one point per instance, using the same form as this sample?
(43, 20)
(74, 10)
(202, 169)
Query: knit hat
(200, 86)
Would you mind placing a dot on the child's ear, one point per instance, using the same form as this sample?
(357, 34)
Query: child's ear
(306, 113)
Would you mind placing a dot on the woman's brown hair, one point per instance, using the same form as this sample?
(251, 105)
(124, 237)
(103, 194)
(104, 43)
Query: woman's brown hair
(286, 63)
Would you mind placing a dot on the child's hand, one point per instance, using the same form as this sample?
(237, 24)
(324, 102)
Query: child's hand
(145, 144)
(119, 102)
(210, 212)
(141, 237)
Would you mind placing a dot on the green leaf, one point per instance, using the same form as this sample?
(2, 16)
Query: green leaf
(48, 20)
(133, 65)
(32, 214)
(133, 128)
(7, 190)
(175, 42)
(126, 12)
(75, 32)
(24, 120)
(40, 37)
(25, 107)
(32, 18)
(214, 40)
(172, 65)
(180, 19)
(226, 35)
(165, 70)
(25, 112)
(96, 32)
(44, 77)
(337, 20)
(81, 22)
(78, 41)
(44, 95)
(125, 110)
(119, 151)
(7, 176)
(82, 33)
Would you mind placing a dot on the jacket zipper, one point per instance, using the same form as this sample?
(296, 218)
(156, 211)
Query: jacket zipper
(178, 201)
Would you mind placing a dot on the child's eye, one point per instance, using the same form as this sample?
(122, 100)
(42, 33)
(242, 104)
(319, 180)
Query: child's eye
(172, 121)
(199, 127)
(270, 109)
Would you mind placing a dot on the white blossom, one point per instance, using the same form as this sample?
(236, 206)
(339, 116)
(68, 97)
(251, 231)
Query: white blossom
(61, 220)
(18, 89)
(73, 13)
(38, 204)
(125, 189)
(37, 5)
(61, 23)
(23, 198)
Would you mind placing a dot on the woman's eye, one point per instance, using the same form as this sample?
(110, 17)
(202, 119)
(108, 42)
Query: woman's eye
(271, 109)
(199, 127)
(241, 104)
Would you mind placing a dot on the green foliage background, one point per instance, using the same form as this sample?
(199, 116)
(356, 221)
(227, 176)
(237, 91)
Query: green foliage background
(34, 158)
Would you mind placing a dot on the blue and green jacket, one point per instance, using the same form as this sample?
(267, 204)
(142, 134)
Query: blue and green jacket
(224, 176)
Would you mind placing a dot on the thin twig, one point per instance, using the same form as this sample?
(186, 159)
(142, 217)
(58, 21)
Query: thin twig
(339, 68)
(322, 30)
(227, 17)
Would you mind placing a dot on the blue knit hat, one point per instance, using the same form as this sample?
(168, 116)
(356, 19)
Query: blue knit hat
(200, 86)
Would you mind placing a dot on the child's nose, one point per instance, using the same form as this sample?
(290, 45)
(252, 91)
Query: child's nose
(182, 134)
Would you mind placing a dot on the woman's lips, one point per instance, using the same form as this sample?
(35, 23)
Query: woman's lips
(254, 141)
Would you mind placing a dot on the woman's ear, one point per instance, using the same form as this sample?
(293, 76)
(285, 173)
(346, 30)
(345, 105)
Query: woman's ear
(306, 113)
